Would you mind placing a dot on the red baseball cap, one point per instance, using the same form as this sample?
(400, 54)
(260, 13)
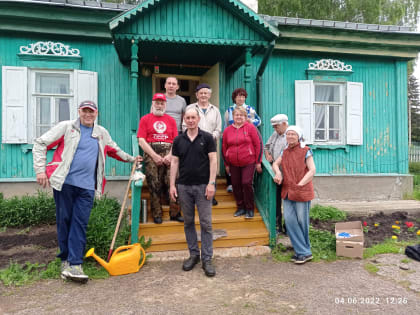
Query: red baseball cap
(159, 96)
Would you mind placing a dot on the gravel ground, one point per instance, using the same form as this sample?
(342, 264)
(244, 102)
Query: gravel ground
(246, 285)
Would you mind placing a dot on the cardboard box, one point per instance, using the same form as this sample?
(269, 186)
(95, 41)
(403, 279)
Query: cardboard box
(349, 239)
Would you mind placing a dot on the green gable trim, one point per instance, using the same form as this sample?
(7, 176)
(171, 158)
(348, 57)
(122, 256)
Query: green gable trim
(218, 20)
(50, 61)
(189, 40)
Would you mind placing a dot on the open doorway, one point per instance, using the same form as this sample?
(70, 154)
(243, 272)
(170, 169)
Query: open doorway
(187, 85)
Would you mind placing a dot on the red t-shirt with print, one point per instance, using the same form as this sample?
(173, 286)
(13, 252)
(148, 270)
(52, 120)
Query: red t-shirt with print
(157, 128)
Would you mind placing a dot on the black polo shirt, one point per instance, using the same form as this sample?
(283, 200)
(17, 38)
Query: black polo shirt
(194, 163)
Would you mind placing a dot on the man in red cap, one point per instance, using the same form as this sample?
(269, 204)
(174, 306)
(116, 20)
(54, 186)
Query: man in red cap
(156, 133)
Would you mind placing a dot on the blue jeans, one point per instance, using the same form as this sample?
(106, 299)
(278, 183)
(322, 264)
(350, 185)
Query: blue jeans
(189, 196)
(296, 216)
(72, 207)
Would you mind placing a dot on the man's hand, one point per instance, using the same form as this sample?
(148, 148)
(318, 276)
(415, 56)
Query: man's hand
(167, 160)
(210, 191)
(268, 157)
(259, 169)
(139, 159)
(42, 179)
(173, 193)
(278, 178)
(157, 159)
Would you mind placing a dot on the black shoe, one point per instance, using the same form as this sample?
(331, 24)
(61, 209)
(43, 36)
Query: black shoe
(190, 262)
(303, 259)
(157, 220)
(208, 268)
(178, 218)
(214, 202)
(249, 214)
(239, 212)
(294, 258)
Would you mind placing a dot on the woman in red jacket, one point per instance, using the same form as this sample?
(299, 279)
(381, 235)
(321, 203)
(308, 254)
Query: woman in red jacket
(242, 153)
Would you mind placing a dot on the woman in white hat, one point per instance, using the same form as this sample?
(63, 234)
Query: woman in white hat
(298, 169)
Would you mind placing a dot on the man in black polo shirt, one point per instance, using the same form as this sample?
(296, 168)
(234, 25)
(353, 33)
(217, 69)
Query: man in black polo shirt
(194, 155)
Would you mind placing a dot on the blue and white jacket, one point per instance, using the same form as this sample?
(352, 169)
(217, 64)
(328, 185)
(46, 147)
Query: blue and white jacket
(252, 114)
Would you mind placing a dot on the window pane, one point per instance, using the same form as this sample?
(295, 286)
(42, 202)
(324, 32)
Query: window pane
(319, 134)
(327, 93)
(320, 116)
(52, 83)
(334, 134)
(334, 117)
(43, 115)
(62, 109)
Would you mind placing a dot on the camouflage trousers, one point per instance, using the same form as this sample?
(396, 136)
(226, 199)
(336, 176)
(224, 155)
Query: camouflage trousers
(158, 181)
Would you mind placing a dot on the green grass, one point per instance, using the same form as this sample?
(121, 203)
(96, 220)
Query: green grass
(20, 275)
(389, 246)
(322, 246)
(405, 261)
(329, 213)
(371, 268)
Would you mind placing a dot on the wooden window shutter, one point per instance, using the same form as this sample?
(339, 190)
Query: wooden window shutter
(14, 104)
(354, 113)
(86, 87)
(304, 108)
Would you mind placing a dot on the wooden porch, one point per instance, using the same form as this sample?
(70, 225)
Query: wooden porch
(228, 231)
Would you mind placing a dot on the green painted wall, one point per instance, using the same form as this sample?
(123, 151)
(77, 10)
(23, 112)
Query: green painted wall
(113, 99)
(385, 140)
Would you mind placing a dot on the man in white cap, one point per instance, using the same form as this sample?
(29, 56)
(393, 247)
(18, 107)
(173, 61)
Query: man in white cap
(76, 174)
(272, 149)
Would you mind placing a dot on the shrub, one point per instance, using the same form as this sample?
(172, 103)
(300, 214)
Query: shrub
(323, 213)
(27, 210)
(101, 227)
(414, 167)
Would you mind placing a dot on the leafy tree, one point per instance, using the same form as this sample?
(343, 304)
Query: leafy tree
(394, 12)
(414, 106)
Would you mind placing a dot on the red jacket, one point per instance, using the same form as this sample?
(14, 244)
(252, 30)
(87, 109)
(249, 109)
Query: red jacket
(242, 146)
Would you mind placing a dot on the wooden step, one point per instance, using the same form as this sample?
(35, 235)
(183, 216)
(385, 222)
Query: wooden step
(251, 236)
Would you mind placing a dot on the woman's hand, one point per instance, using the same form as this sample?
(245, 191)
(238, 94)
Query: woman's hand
(259, 169)
(227, 170)
(278, 178)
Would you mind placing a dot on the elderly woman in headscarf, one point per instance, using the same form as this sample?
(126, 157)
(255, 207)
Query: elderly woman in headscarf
(295, 169)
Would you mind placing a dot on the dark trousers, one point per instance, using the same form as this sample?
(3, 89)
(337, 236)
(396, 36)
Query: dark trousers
(243, 191)
(73, 206)
(189, 197)
(278, 209)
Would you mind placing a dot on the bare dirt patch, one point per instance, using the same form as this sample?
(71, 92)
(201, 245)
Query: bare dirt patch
(34, 244)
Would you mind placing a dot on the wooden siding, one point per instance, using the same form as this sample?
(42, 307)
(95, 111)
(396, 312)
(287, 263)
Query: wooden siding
(191, 21)
(114, 105)
(385, 141)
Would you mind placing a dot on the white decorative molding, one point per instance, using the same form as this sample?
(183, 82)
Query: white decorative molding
(329, 64)
(49, 49)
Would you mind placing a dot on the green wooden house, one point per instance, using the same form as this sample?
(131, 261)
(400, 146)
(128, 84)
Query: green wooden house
(344, 83)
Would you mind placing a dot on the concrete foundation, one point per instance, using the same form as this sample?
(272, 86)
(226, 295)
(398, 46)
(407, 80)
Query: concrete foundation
(358, 188)
(327, 188)
(113, 188)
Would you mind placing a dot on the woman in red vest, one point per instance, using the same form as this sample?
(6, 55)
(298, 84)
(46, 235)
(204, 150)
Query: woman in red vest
(297, 170)
(242, 153)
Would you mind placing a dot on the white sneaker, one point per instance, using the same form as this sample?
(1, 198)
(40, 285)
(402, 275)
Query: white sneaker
(75, 273)
(229, 189)
(65, 266)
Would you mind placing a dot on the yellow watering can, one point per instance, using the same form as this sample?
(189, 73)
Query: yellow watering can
(124, 260)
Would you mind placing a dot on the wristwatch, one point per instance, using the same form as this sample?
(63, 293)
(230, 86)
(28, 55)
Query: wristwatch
(212, 183)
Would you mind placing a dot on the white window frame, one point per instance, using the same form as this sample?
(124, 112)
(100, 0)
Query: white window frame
(342, 109)
(352, 115)
(33, 96)
(19, 99)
